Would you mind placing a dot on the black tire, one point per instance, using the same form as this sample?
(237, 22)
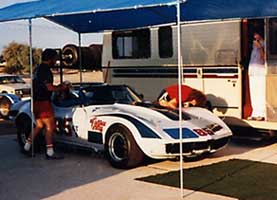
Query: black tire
(5, 105)
(122, 149)
(209, 106)
(23, 130)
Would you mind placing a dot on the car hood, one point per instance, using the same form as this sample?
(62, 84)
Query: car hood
(167, 118)
(193, 119)
(147, 113)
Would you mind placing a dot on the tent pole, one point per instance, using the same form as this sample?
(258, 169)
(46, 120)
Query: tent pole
(80, 57)
(265, 44)
(31, 76)
(180, 95)
(61, 67)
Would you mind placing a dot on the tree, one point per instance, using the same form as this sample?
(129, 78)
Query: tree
(17, 57)
(1, 59)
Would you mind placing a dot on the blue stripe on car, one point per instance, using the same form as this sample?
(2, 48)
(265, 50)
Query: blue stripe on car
(186, 133)
(144, 131)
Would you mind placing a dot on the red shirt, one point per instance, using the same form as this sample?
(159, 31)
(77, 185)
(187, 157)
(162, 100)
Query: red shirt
(173, 92)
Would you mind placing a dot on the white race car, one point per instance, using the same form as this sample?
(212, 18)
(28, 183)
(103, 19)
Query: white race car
(114, 119)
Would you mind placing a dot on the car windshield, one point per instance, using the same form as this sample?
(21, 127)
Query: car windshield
(108, 94)
(11, 79)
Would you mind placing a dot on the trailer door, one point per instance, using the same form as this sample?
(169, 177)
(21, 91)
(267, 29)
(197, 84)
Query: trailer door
(212, 51)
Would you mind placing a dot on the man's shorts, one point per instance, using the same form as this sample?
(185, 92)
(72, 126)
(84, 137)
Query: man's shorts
(43, 109)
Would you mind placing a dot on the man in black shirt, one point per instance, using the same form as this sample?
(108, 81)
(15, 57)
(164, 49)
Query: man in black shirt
(43, 110)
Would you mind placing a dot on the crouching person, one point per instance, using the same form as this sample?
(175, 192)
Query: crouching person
(169, 97)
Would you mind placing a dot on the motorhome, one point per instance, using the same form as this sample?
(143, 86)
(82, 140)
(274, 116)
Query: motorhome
(215, 57)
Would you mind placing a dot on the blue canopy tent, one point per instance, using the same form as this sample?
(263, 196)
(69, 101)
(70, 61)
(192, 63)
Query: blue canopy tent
(191, 10)
(85, 16)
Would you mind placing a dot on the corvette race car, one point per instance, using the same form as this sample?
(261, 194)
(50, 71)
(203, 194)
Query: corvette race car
(115, 119)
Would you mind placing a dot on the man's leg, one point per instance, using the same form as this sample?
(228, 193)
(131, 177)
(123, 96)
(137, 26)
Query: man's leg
(49, 130)
(50, 126)
(36, 130)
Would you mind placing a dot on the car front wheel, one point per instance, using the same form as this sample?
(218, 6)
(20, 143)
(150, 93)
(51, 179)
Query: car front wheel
(5, 105)
(23, 131)
(122, 149)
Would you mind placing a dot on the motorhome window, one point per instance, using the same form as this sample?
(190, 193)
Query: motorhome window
(273, 36)
(131, 44)
(165, 42)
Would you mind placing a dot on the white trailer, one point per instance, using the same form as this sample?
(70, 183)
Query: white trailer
(215, 56)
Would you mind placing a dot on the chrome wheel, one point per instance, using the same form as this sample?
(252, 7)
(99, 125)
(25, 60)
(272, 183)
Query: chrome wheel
(122, 149)
(118, 147)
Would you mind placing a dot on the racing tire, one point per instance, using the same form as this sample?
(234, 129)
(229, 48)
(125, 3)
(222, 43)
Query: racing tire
(23, 130)
(122, 149)
(5, 105)
(209, 106)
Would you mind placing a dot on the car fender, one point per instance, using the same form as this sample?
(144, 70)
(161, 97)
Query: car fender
(118, 119)
(22, 107)
(12, 97)
(206, 114)
(112, 121)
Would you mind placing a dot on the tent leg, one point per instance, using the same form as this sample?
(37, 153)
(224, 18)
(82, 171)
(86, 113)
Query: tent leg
(80, 57)
(180, 72)
(31, 76)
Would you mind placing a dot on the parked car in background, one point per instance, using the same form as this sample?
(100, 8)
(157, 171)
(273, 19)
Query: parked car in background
(12, 89)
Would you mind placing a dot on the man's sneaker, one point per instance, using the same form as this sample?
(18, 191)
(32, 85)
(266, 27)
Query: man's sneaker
(55, 156)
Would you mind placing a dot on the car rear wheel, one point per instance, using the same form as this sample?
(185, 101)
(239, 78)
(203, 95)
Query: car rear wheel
(122, 149)
(5, 105)
(23, 131)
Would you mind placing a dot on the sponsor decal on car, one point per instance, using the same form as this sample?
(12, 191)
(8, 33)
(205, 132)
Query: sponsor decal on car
(97, 124)
(204, 131)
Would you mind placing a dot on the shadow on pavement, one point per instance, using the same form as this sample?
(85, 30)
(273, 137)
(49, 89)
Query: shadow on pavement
(37, 178)
(7, 127)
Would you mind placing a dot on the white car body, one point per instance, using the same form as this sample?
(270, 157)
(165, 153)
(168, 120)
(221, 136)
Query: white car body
(154, 129)
(165, 128)
(12, 89)
(13, 84)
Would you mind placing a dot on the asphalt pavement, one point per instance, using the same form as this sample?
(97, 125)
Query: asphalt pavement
(83, 175)
(7, 127)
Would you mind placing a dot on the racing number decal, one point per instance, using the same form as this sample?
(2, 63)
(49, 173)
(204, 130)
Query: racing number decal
(97, 124)
(204, 131)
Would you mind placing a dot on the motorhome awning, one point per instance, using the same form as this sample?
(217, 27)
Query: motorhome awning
(84, 16)
(193, 10)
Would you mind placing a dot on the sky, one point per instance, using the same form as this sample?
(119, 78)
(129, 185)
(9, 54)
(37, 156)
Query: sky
(46, 34)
